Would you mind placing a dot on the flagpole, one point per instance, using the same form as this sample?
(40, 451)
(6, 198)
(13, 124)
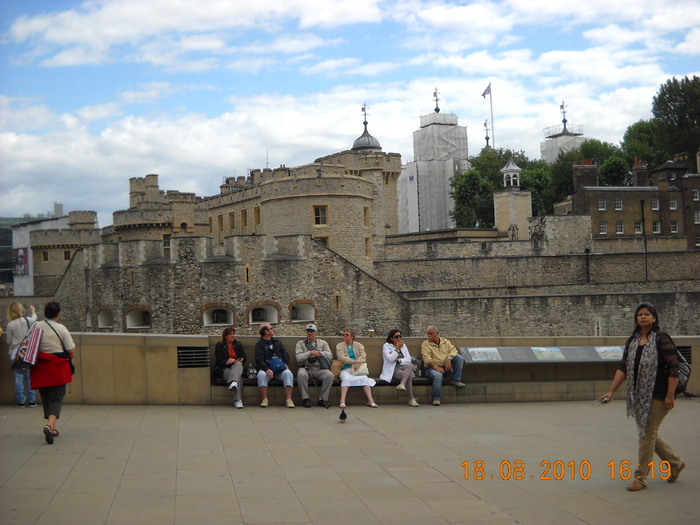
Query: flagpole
(493, 132)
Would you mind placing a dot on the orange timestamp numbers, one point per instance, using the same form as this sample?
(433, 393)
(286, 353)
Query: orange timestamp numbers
(557, 470)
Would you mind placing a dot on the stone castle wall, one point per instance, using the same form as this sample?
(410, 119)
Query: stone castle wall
(176, 291)
(553, 315)
(534, 271)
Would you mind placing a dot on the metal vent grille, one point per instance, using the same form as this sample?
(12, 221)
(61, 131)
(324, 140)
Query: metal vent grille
(685, 352)
(193, 357)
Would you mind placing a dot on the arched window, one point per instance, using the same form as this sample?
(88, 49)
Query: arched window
(218, 316)
(105, 319)
(264, 314)
(302, 312)
(138, 318)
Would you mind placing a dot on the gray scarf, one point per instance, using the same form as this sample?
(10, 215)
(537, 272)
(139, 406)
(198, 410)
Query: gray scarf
(640, 389)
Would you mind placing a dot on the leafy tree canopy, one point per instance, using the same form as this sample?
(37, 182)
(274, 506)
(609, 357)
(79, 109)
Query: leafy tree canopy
(614, 172)
(473, 196)
(473, 191)
(642, 140)
(677, 108)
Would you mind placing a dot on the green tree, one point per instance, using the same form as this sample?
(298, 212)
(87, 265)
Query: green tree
(598, 151)
(473, 191)
(562, 178)
(538, 182)
(642, 140)
(614, 172)
(473, 196)
(677, 108)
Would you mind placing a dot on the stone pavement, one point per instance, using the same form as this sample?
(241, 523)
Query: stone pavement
(392, 465)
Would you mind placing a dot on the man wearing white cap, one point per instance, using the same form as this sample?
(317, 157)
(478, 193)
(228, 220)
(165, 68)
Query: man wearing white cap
(314, 357)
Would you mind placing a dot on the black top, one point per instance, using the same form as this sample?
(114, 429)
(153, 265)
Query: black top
(221, 353)
(267, 349)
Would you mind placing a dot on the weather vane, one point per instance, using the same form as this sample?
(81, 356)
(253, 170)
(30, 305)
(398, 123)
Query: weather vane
(563, 112)
(364, 112)
(435, 96)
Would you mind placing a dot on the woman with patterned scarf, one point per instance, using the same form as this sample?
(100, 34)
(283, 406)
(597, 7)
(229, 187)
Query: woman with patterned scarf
(650, 365)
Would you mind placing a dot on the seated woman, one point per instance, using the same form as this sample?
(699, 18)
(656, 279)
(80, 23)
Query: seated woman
(353, 355)
(230, 358)
(397, 364)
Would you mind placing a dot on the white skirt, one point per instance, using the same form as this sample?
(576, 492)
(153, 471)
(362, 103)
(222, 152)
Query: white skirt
(347, 379)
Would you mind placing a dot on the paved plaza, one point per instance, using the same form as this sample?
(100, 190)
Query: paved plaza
(392, 465)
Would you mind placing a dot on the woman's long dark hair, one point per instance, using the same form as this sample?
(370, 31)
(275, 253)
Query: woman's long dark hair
(390, 337)
(652, 309)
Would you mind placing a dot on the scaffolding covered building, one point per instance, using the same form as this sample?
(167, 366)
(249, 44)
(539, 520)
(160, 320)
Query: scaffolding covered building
(560, 138)
(440, 151)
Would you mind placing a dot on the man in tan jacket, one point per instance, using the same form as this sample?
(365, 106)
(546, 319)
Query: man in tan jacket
(441, 358)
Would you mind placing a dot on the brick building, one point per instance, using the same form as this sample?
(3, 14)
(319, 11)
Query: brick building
(663, 203)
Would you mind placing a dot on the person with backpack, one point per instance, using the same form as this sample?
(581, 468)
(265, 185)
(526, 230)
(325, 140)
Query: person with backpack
(650, 365)
(17, 330)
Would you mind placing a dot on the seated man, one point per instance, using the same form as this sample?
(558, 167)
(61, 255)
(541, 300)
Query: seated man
(266, 348)
(314, 357)
(440, 358)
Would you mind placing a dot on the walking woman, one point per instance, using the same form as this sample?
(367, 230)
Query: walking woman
(398, 365)
(52, 371)
(17, 329)
(650, 365)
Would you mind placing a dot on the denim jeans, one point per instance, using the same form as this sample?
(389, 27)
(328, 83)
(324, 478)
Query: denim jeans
(19, 388)
(285, 376)
(437, 377)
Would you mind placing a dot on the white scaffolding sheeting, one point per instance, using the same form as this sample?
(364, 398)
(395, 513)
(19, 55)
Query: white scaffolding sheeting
(440, 150)
(435, 202)
(407, 188)
(550, 148)
(440, 143)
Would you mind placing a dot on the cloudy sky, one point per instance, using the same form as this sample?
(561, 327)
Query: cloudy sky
(93, 93)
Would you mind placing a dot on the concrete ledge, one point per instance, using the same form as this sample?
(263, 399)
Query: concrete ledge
(522, 392)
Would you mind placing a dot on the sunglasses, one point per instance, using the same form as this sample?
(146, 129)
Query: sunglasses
(397, 336)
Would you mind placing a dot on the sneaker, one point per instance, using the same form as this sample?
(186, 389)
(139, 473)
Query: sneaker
(19, 405)
(239, 404)
(233, 385)
(306, 403)
(401, 387)
(264, 403)
(290, 403)
(436, 402)
(458, 384)
(32, 404)
(413, 403)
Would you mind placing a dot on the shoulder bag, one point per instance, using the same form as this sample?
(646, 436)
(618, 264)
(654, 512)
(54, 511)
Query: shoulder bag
(276, 364)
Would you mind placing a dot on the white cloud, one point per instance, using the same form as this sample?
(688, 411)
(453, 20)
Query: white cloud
(374, 69)
(23, 114)
(614, 35)
(331, 66)
(290, 44)
(147, 93)
(691, 44)
(88, 32)
(251, 65)
(99, 111)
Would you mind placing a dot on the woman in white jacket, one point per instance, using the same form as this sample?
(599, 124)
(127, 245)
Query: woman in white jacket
(17, 329)
(397, 364)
